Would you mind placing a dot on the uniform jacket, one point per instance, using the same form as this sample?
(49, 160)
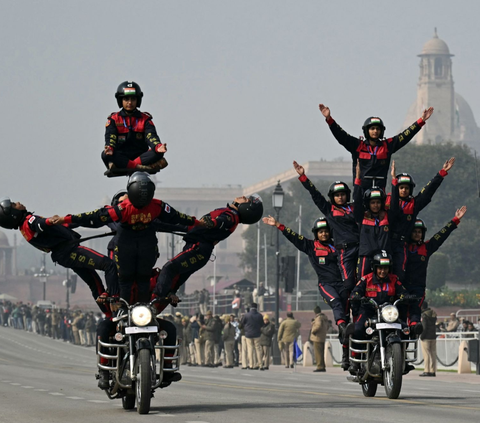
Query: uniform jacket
(288, 330)
(340, 219)
(228, 332)
(319, 328)
(134, 133)
(252, 323)
(429, 321)
(267, 332)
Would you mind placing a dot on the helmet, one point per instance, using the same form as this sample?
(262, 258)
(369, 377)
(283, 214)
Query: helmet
(116, 197)
(252, 211)
(373, 193)
(380, 259)
(373, 121)
(338, 186)
(140, 189)
(419, 223)
(320, 223)
(10, 218)
(129, 88)
(405, 178)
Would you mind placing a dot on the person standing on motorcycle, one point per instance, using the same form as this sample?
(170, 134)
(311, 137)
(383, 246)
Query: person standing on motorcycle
(323, 257)
(62, 242)
(200, 241)
(131, 140)
(373, 222)
(339, 214)
(136, 250)
(419, 253)
(406, 208)
(374, 151)
(380, 285)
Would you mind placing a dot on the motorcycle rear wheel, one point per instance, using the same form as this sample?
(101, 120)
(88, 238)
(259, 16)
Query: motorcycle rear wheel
(369, 389)
(144, 382)
(392, 375)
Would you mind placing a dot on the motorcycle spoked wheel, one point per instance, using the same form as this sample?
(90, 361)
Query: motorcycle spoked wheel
(392, 375)
(128, 401)
(369, 389)
(144, 382)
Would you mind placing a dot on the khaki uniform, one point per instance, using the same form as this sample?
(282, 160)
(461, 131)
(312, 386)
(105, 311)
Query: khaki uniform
(318, 336)
(287, 333)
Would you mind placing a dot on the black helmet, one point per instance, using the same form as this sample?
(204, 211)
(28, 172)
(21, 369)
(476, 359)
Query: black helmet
(10, 218)
(129, 88)
(252, 211)
(373, 121)
(116, 197)
(140, 189)
(320, 223)
(338, 186)
(373, 193)
(380, 259)
(405, 178)
(419, 223)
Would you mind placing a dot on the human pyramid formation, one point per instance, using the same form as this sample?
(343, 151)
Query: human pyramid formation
(374, 246)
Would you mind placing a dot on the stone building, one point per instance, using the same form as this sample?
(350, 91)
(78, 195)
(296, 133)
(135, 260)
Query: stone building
(453, 118)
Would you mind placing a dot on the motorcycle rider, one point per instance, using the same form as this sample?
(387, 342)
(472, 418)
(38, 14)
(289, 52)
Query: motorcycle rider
(136, 251)
(382, 286)
(131, 140)
(339, 214)
(216, 226)
(374, 151)
(62, 242)
(419, 253)
(406, 208)
(323, 257)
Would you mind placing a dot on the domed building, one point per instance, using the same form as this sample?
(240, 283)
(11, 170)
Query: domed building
(453, 118)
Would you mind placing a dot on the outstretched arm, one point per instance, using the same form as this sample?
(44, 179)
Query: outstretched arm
(324, 110)
(427, 113)
(319, 200)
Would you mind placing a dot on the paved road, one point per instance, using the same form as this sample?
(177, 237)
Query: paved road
(42, 380)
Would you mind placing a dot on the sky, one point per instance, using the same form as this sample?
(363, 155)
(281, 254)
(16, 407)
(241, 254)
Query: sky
(233, 86)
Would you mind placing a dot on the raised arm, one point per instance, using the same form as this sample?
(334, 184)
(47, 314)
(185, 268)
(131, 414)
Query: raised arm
(319, 200)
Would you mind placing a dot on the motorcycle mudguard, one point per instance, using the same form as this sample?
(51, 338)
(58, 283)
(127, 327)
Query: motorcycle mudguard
(143, 343)
(394, 338)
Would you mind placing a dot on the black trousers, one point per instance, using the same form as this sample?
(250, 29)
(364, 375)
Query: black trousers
(120, 158)
(177, 270)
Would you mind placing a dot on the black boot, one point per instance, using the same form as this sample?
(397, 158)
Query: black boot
(345, 358)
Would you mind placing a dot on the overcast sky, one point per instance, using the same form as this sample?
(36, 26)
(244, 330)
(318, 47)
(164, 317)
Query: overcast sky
(233, 86)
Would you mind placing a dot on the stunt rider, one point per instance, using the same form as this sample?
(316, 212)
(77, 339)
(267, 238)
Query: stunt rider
(62, 242)
(136, 251)
(374, 151)
(323, 258)
(131, 140)
(382, 286)
(419, 253)
(407, 207)
(216, 226)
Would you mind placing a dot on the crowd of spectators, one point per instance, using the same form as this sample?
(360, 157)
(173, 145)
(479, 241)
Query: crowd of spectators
(74, 326)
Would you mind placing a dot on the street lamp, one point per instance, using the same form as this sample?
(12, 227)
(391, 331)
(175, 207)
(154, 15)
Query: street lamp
(277, 202)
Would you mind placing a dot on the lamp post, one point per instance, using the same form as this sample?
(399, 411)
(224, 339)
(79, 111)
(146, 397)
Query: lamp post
(43, 277)
(277, 202)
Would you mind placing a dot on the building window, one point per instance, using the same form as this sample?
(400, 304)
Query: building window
(438, 67)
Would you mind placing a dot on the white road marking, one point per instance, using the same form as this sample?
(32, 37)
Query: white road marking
(98, 401)
(56, 393)
(27, 387)
(41, 390)
(75, 398)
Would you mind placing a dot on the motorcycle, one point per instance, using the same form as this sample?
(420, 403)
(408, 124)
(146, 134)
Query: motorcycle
(137, 360)
(385, 356)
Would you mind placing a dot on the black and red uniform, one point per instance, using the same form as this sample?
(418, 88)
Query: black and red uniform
(136, 250)
(133, 139)
(406, 211)
(374, 161)
(62, 242)
(374, 231)
(381, 290)
(323, 258)
(344, 232)
(419, 254)
(216, 226)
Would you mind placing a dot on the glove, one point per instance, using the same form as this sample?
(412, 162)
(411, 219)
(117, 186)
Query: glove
(102, 298)
(108, 150)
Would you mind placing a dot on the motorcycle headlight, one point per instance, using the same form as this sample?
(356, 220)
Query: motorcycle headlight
(141, 316)
(390, 313)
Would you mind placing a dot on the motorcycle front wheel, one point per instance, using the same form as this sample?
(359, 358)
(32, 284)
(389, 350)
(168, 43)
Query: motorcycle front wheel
(144, 382)
(392, 375)
(369, 389)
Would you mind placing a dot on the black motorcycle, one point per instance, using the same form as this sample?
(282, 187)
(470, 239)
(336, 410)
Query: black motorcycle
(385, 356)
(137, 360)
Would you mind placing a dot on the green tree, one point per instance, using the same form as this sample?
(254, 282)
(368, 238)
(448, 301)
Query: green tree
(438, 267)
